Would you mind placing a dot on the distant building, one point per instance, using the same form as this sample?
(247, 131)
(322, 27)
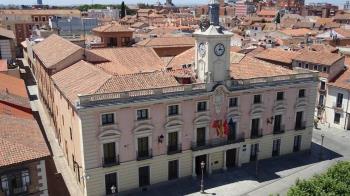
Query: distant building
(108, 14)
(114, 35)
(347, 5)
(244, 8)
(292, 6)
(73, 25)
(7, 44)
(323, 10)
(39, 2)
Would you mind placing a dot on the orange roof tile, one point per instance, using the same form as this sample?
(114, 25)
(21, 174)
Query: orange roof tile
(80, 78)
(278, 55)
(318, 57)
(186, 57)
(129, 60)
(13, 85)
(7, 33)
(20, 140)
(266, 12)
(111, 28)
(3, 65)
(167, 42)
(343, 81)
(54, 49)
(249, 67)
(138, 82)
(297, 32)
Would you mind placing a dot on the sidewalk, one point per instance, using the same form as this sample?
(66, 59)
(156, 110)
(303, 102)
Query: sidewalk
(57, 153)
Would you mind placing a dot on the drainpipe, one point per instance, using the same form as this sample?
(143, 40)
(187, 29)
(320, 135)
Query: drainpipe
(346, 112)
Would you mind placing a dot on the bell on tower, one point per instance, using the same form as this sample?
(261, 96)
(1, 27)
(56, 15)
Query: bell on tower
(214, 12)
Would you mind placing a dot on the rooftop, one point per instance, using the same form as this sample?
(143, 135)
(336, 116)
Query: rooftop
(112, 28)
(129, 60)
(343, 81)
(54, 49)
(297, 32)
(7, 33)
(167, 42)
(20, 140)
(318, 57)
(249, 67)
(186, 57)
(277, 55)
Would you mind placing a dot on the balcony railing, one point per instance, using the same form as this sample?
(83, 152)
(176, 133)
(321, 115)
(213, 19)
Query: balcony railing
(279, 130)
(110, 161)
(144, 154)
(216, 142)
(323, 91)
(256, 134)
(338, 106)
(173, 149)
(300, 125)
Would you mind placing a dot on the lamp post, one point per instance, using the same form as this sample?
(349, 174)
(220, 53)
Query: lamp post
(257, 163)
(113, 189)
(202, 185)
(321, 151)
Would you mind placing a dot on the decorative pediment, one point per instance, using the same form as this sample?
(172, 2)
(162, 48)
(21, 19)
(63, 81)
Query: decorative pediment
(257, 109)
(301, 104)
(143, 128)
(109, 134)
(203, 119)
(279, 107)
(234, 113)
(173, 124)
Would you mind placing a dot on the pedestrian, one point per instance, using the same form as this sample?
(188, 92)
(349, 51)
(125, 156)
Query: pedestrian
(316, 120)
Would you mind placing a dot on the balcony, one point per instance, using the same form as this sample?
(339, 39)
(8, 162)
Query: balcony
(110, 161)
(144, 154)
(201, 145)
(338, 106)
(279, 130)
(256, 134)
(173, 149)
(300, 125)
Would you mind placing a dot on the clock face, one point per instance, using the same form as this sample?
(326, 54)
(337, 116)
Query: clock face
(201, 49)
(219, 49)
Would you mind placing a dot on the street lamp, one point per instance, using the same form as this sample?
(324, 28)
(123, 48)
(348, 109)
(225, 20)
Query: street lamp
(257, 163)
(113, 189)
(202, 185)
(321, 151)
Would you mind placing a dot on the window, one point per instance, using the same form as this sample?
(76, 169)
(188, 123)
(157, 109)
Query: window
(172, 142)
(173, 110)
(323, 85)
(144, 177)
(277, 126)
(142, 114)
(280, 96)
(339, 100)
(307, 66)
(111, 183)
(297, 143)
(201, 136)
(336, 118)
(324, 69)
(276, 147)
(70, 133)
(15, 183)
(301, 93)
(255, 132)
(299, 64)
(233, 102)
(299, 124)
(232, 125)
(125, 41)
(321, 100)
(142, 147)
(202, 106)
(257, 99)
(109, 153)
(254, 148)
(315, 67)
(173, 169)
(36, 19)
(108, 119)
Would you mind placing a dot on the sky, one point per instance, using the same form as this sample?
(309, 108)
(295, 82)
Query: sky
(178, 2)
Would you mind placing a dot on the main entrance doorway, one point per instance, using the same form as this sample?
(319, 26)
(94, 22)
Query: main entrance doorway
(199, 159)
(231, 158)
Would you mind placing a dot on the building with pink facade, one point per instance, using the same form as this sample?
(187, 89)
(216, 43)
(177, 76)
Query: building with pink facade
(125, 120)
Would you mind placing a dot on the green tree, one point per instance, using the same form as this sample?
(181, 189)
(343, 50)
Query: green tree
(336, 181)
(122, 10)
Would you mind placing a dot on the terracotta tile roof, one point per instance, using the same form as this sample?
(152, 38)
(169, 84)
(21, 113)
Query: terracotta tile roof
(278, 55)
(321, 57)
(167, 42)
(80, 78)
(322, 47)
(3, 65)
(12, 85)
(343, 81)
(297, 32)
(15, 111)
(343, 32)
(138, 82)
(54, 49)
(345, 16)
(7, 33)
(14, 99)
(267, 12)
(111, 28)
(186, 57)
(20, 140)
(129, 60)
(250, 67)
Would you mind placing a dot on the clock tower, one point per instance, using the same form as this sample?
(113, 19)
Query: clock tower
(213, 49)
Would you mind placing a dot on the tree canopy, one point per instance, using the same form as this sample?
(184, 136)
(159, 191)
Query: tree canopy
(336, 181)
